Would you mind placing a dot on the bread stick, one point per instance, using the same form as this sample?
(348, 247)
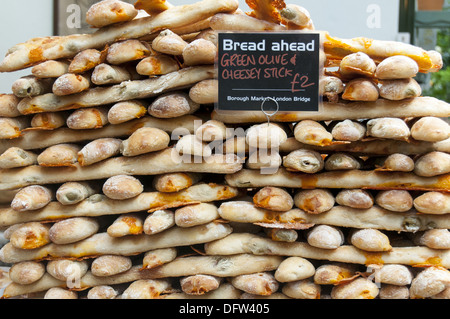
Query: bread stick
(394, 200)
(262, 283)
(357, 65)
(30, 236)
(293, 269)
(74, 192)
(117, 93)
(171, 105)
(121, 187)
(158, 257)
(103, 244)
(149, 164)
(98, 205)
(145, 140)
(346, 179)
(400, 89)
(168, 42)
(242, 22)
(431, 129)
(361, 89)
(325, 237)
(397, 67)
(159, 221)
(62, 155)
(432, 164)
(433, 203)
(11, 128)
(31, 140)
(197, 214)
(417, 107)
(199, 284)
(247, 243)
(171, 183)
(359, 288)
(66, 269)
(205, 92)
(302, 289)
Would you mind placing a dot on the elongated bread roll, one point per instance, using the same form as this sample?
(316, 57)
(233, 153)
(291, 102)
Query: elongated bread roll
(172, 105)
(305, 161)
(334, 273)
(295, 17)
(121, 187)
(145, 140)
(158, 257)
(70, 83)
(126, 51)
(194, 215)
(102, 292)
(60, 294)
(31, 198)
(359, 288)
(361, 89)
(8, 105)
(342, 161)
(103, 244)
(398, 162)
(263, 283)
(50, 69)
(279, 234)
(273, 198)
(168, 42)
(205, 92)
(395, 200)
(433, 203)
(314, 201)
(429, 282)
(26, 272)
(98, 205)
(159, 221)
(356, 65)
(348, 130)
(11, 128)
(302, 289)
(146, 289)
(126, 111)
(199, 284)
(88, 118)
(171, 183)
(108, 12)
(355, 198)
(370, 240)
(325, 236)
(331, 87)
(126, 224)
(66, 269)
(312, 132)
(59, 155)
(266, 136)
(99, 150)
(86, 60)
(400, 89)
(432, 164)
(158, 64)
(199, 52)
(73, 230)
(293, 269)
(48, 121)
(189, 145)
(30, 236)
(74, 192)
(212, 131)
(105, 74)
(110, 265)
(431, 129)
(15, 157)
(29, 86)
(397, 67)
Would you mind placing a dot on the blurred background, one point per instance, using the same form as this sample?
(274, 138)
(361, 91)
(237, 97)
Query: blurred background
(425, 23)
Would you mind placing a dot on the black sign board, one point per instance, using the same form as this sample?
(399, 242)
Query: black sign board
(256, 67)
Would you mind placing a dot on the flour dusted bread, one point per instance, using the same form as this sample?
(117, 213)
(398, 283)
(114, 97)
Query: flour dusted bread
(108, 12)
(126, 51)
(122, 187)
(86, 60)
(32, 198)
(15, 157)
(59, 155)
(99, 150)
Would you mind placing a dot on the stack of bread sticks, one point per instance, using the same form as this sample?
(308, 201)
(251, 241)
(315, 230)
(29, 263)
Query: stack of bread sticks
(120, 179)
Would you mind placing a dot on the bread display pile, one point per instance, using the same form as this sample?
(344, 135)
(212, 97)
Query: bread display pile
(120, 179)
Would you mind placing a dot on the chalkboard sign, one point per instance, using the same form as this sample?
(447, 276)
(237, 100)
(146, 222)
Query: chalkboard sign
(254, 68)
